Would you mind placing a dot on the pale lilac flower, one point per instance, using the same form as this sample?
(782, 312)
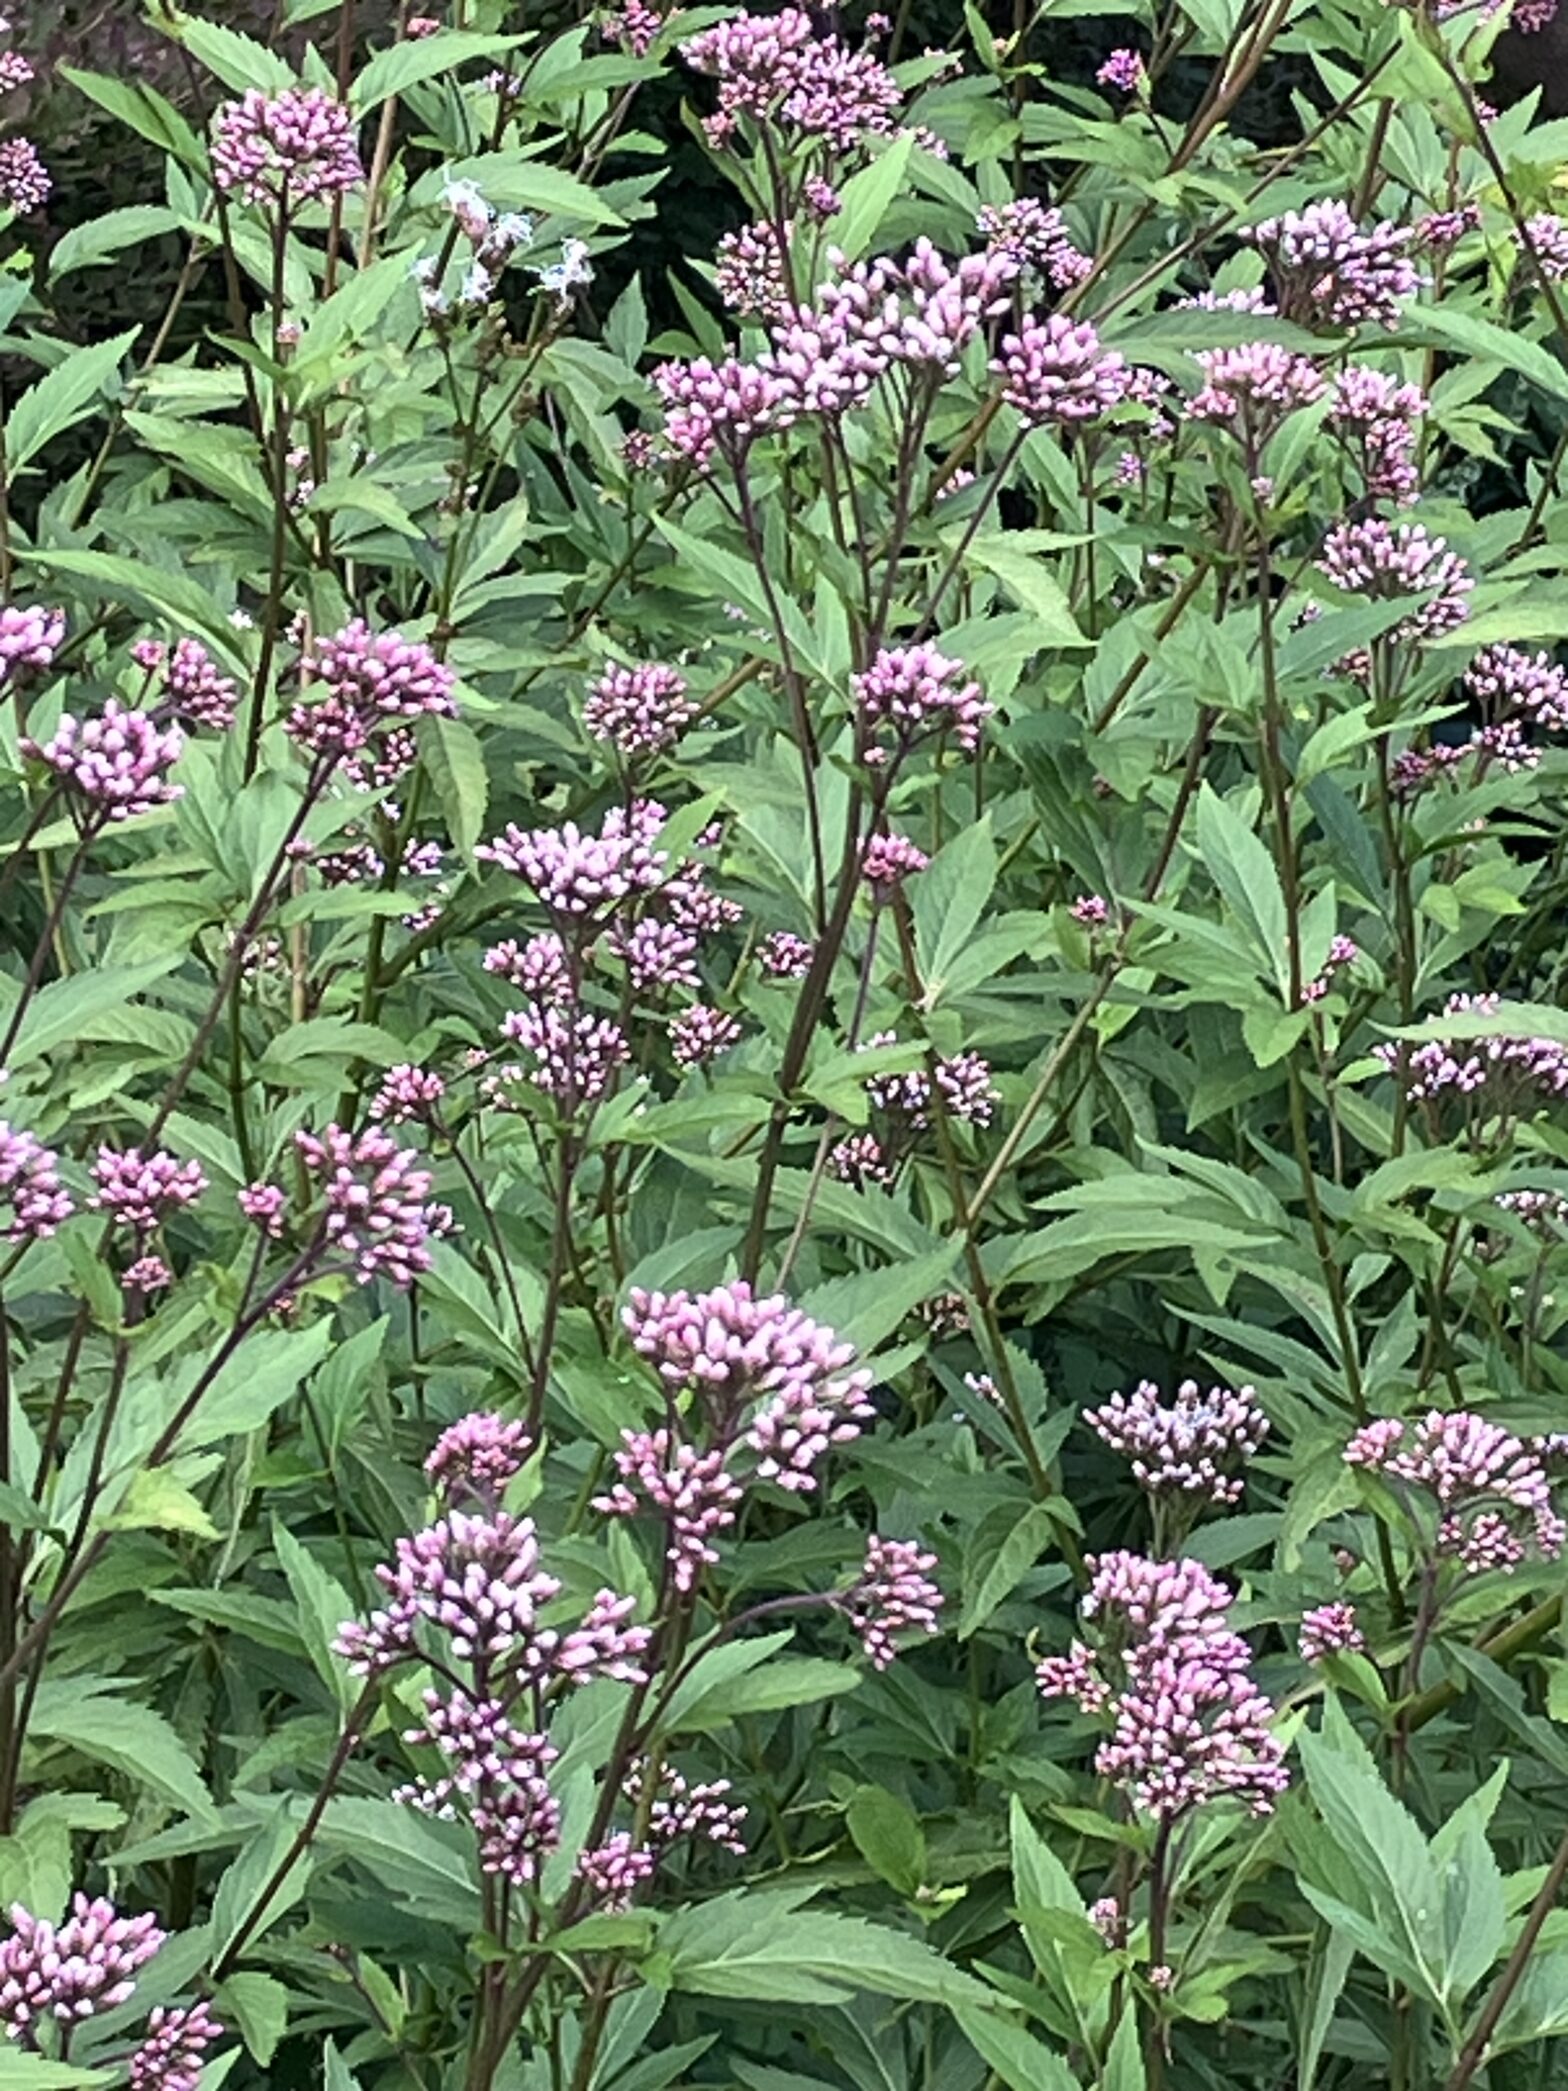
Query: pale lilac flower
(1329, 1630)
(944, 1315)
(888, 861)
(30, 636)
(580, 876)
(1542, 1212)
(519, 1825)
(776, 66)
(477, 1456)
(821, 198)
(693, 1490)
(147, 1274)
(1328, 273)
(1508, 679)
(721, 407)
(538, 967)
(118, 761)
(1033, 235)
(298, 144)
(915, 692)
(1194, 1446)
(657, 955)
(15, 71)
(141, 1191)
(25, 184)
(861, 1161)
(784, 956)
(751, 272)
(198, 689)
(1057, 374)
(376, 1201)
(407, 1092)
(1491, 1492)
(603, 1644)
(71, 1972)
(574, 1054)
(1246, 298)
(1511, 1070)
(894, 1597)
(698, 1809)
(1385, 560)
(700, 1034)
(634, 26)
(615, 1870)
(1545, 240)
(1188, 1725)
(33, 1203)
(772, 1387)
(639, 709)
(1342, 951)
(1254, 386)
(1105, 1915)
(174, 2047)
(1091, 909)
(264, 1204)
(1123, 70)
(417, 27)
(984, 1388)
(1530, 17)
(358, 681)
(1441, 229)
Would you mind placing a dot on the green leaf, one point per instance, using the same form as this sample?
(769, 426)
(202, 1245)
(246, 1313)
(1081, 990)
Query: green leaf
(1032, 587)
(238, 60)
(101, 239)
(1241, 866)
(259, 2007)
(1034, 1530)
(131, 1739)
(866, 197)
(404, 65)
(134, 584)
(1488, 343)
(513, 182)
(757, 1947)
(1475, 1918)
(143, 110)
(743, 1677)
(267, 1368)
(246, 1879)
(455, 764)
(950, 896)
(321, 1605)
(1326, 1973)
(887, 1834)
(428, 1867)
(1022, 2062)
(22, 2072)
(1385, 1854)
(63, 396)
(60, 1012)
(866, 1307)
(157, 1502)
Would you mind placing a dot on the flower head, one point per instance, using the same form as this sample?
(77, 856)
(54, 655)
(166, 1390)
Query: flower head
(141, 1190)
(32, 1201)
(30, 636)
(376, 1201)
(1056, 373)
(1491, 1493)
(1192, 1447)
(640, 709)
(119, 761)
(358, 681)
(72, 1971)
(1329, 1629)
(298, 144)
(1329, 273)
(477, 1456)
(894, 1596)
(910, 693)
(174, 2048)
(25, 183)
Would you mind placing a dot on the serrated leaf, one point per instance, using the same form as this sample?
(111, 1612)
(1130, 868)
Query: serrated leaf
(757, 1947)
(1022, 2062)
(886, 1832)
(455, 764)
(101, 239)
(403, 65)
(259, 2007)
(131, 1739)
(1032, 1533)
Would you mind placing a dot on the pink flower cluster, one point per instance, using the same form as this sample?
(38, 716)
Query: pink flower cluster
(784, 956)
(298, 144)
(1545, 240)
(701, 1033)
(572, 1054)
(197, 689)
(893, 1597)
(1329, 273)
(375, 1198)
(33, 1203)
(1492, 1495)
(29, 638)
(1124, 71)
(140, 1191)
(1378, 418)
(25, 183)
(772, 1392)
(358, 681)
(471, 1592)
(72, 1971)
(1188, 1724)
(1330, 1629)
(477, 1456)
(640, 709)
(407, 1092)
(1194, 1446)
(912, 693)
(1254, 387)
(778, 67)
(173, 2052)
(751, 272)
(1056, 374)
(1033, 235)
(1509, 682)
(580, 877)
(888, 861)
(119, 761)
(1510, 1069)
(1385, 560)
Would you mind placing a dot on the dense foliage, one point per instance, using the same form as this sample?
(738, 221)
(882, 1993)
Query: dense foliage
(783, 1158)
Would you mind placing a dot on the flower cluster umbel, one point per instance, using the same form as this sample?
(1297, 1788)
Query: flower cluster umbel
(755, 1390)
(1171, 1676)
(1488, 1488)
